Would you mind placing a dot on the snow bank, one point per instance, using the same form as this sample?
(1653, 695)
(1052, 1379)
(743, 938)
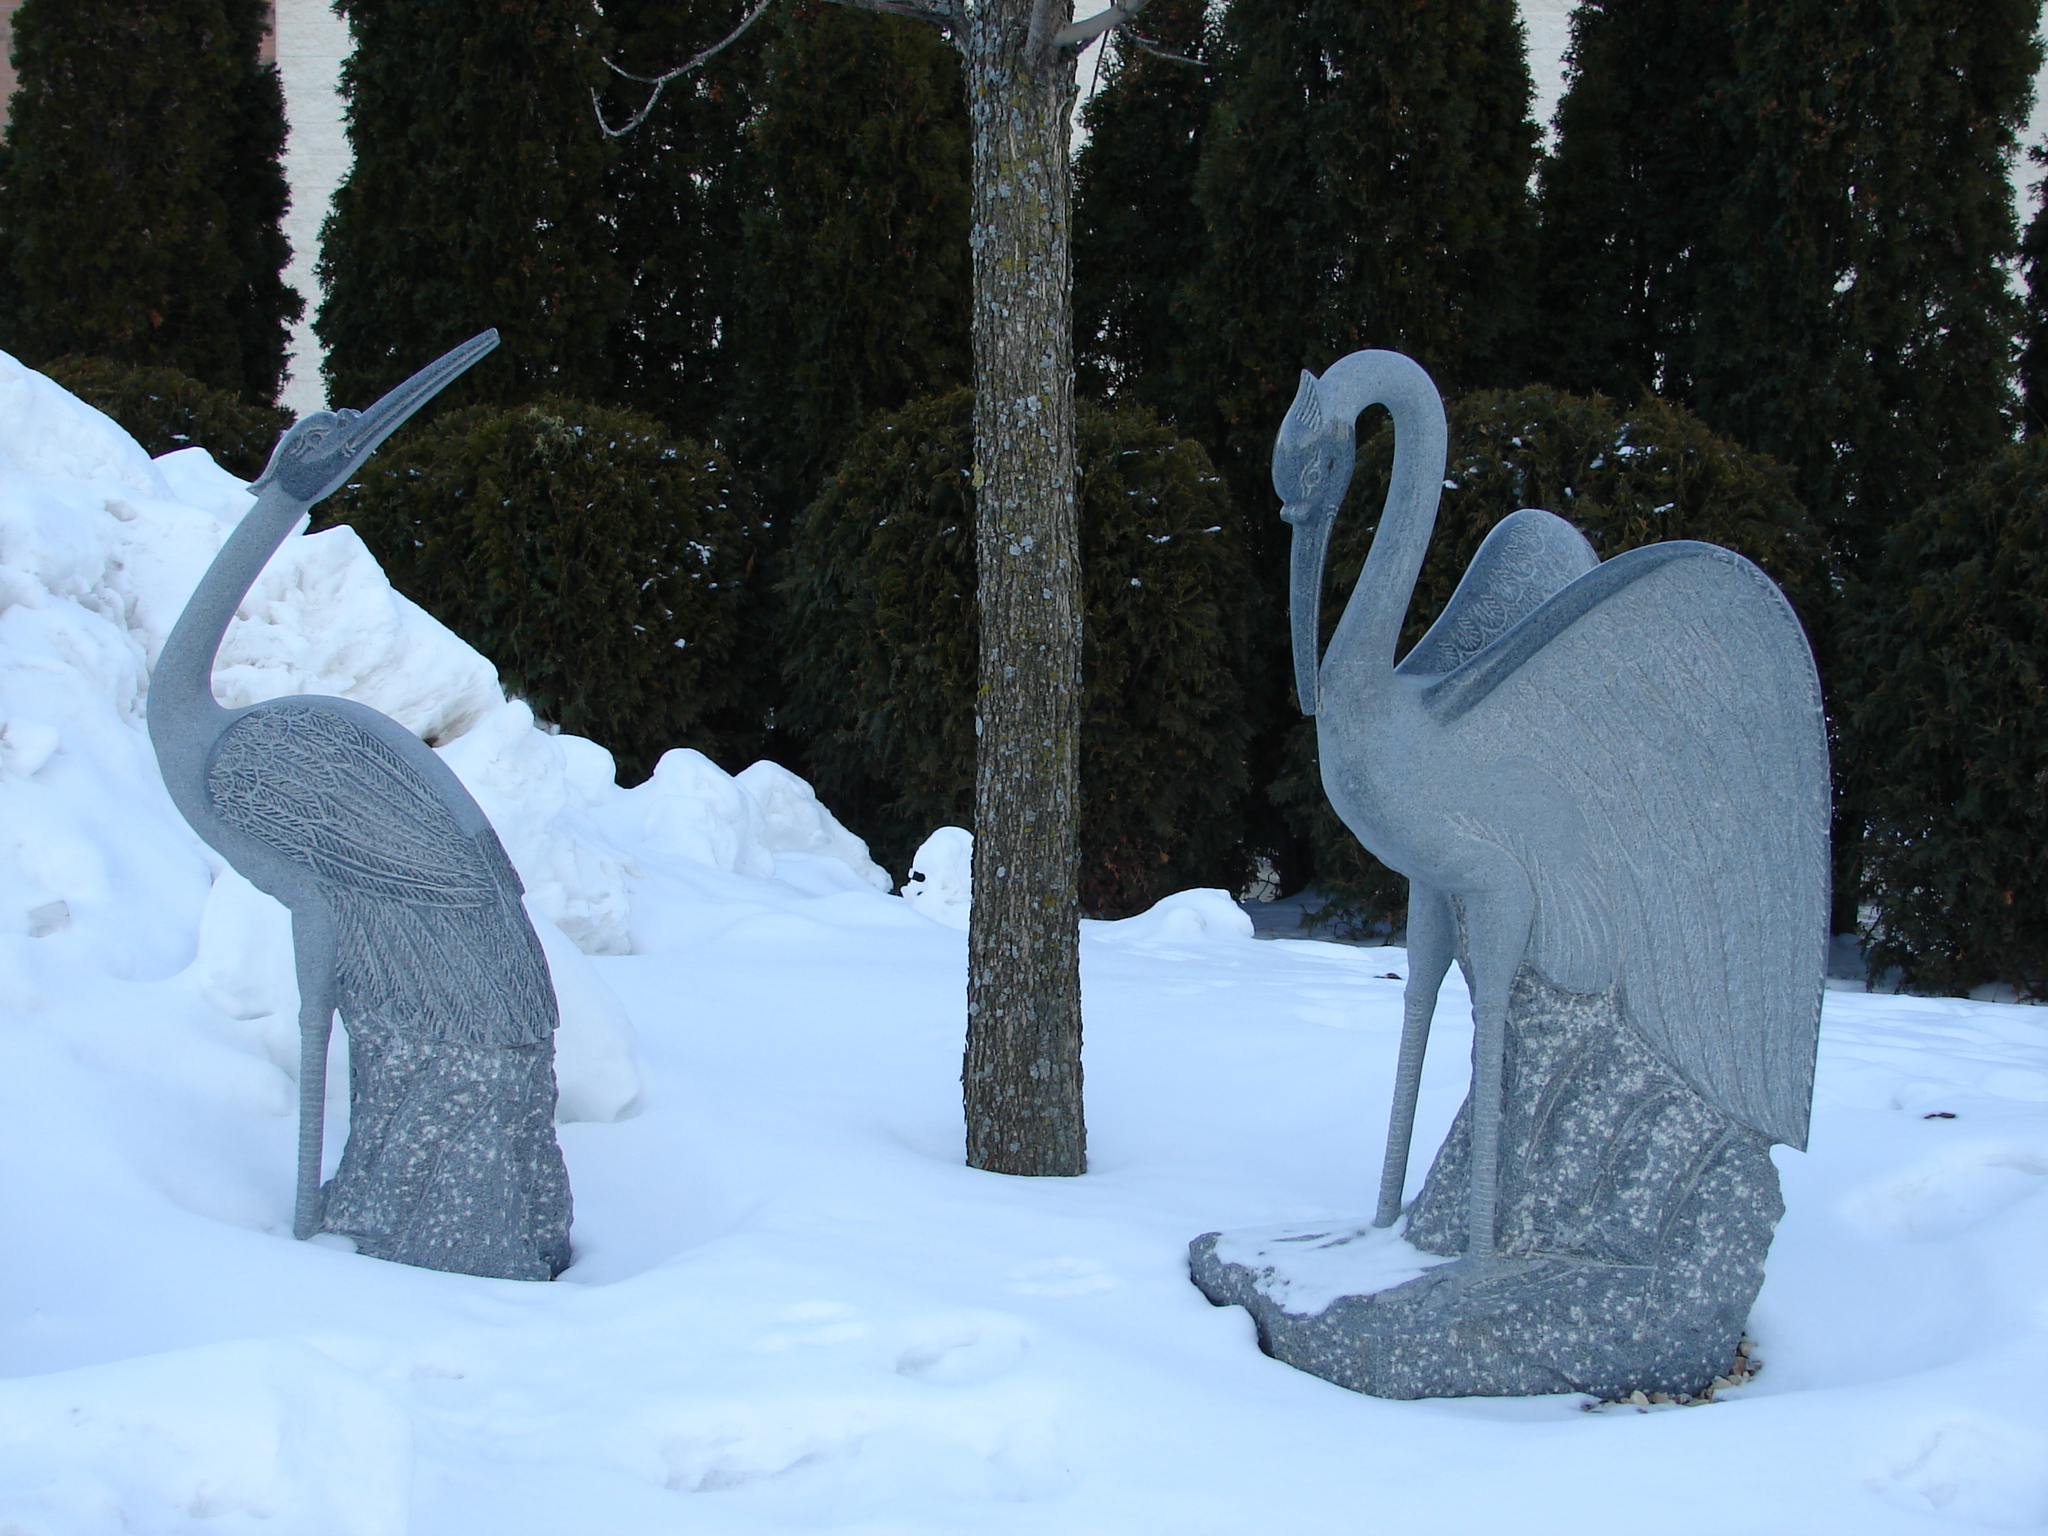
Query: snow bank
(99, 549)
(229, 1440)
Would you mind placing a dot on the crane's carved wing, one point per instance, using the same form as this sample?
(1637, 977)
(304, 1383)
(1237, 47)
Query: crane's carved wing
(431, 938)
(1671, 693)
(318, 789)
(1529, 557)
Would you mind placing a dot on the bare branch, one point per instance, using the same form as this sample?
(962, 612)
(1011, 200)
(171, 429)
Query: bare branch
(1040, 32)
(661, 82)
(945, 12)
(1145, 45)
(1080, 33)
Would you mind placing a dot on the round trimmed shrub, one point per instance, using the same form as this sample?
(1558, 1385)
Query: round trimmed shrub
(877, 635)
(1624, 478)
(1949, 643)
(596, 560)
(165, 410)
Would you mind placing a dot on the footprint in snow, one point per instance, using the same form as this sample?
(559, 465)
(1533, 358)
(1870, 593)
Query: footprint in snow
(961, 1349)
(1969, 1467)
(1062, 1277)
(1950, 1192)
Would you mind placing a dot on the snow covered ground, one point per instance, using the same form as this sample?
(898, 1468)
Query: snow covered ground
(792, 1307)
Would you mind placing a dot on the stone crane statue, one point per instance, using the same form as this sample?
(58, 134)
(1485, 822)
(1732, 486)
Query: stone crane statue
(406, 913)
(1607, 784)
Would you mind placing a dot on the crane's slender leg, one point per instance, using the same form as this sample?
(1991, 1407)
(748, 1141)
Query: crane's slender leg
(313, 947)
(1429, 957)
(1497, 936)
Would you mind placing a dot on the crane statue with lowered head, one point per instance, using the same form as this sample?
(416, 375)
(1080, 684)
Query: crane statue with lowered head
(1607, 785)
(406, 913)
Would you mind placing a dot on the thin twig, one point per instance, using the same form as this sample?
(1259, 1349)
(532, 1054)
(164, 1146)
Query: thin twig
(660, 82)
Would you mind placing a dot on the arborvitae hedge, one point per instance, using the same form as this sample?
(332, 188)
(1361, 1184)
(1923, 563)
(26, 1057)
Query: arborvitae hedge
(1630, 199)
(1137, 231)
(598, 561)
(1950, 643)
(1624, 478)
(1856, 318)
(857, 295)
(143, 192)
(477, 196)
(878, 643)
(164, 410)
(1365, 182)
(679, 186)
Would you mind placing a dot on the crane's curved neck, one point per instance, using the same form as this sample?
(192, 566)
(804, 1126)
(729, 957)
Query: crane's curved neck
(184, 716)
(1367, 635)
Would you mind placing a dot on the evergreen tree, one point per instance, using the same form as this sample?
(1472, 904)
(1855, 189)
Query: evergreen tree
(857, 292)
(680, 186)
(1137, 231)
(1365, 183)
(1855, 319)
(2034, 335)
(143, 195)
(1951, 641)
(477, 198)
(1630, 198)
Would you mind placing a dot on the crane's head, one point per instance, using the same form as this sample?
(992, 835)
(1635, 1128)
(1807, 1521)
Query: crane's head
(1312, 462)
(322, 450)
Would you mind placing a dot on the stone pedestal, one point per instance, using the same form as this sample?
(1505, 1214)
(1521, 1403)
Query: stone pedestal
(1634, 1220)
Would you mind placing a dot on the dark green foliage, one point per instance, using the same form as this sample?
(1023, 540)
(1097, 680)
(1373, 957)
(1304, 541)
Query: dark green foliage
(1137, 232)
(1950, 639)
(141, 206)
(1630, 199)
(879, 648)
(857, 290)
(1856, 321)
(1623, 478)
(2034, 335)
(164, 410)
(680, 185)
(576, 546)
(1365, 183)
(477, 198)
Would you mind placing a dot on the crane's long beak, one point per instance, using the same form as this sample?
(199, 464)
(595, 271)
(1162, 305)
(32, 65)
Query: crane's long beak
(370, 429)
(1305, 599)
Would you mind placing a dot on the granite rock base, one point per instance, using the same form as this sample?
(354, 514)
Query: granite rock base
(1634, 1221)
(452, 1161)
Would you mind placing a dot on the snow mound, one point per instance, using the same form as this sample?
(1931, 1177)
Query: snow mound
(1199, 916)
(692, 809)
(540, 792)
(231, 1439)
(941, 883)
(794, 821)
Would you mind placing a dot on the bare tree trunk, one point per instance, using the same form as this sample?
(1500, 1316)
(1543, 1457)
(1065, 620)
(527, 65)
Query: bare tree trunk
(1022, 1075)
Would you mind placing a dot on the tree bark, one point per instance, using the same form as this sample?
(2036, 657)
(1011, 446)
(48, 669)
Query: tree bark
(1022, 1074)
